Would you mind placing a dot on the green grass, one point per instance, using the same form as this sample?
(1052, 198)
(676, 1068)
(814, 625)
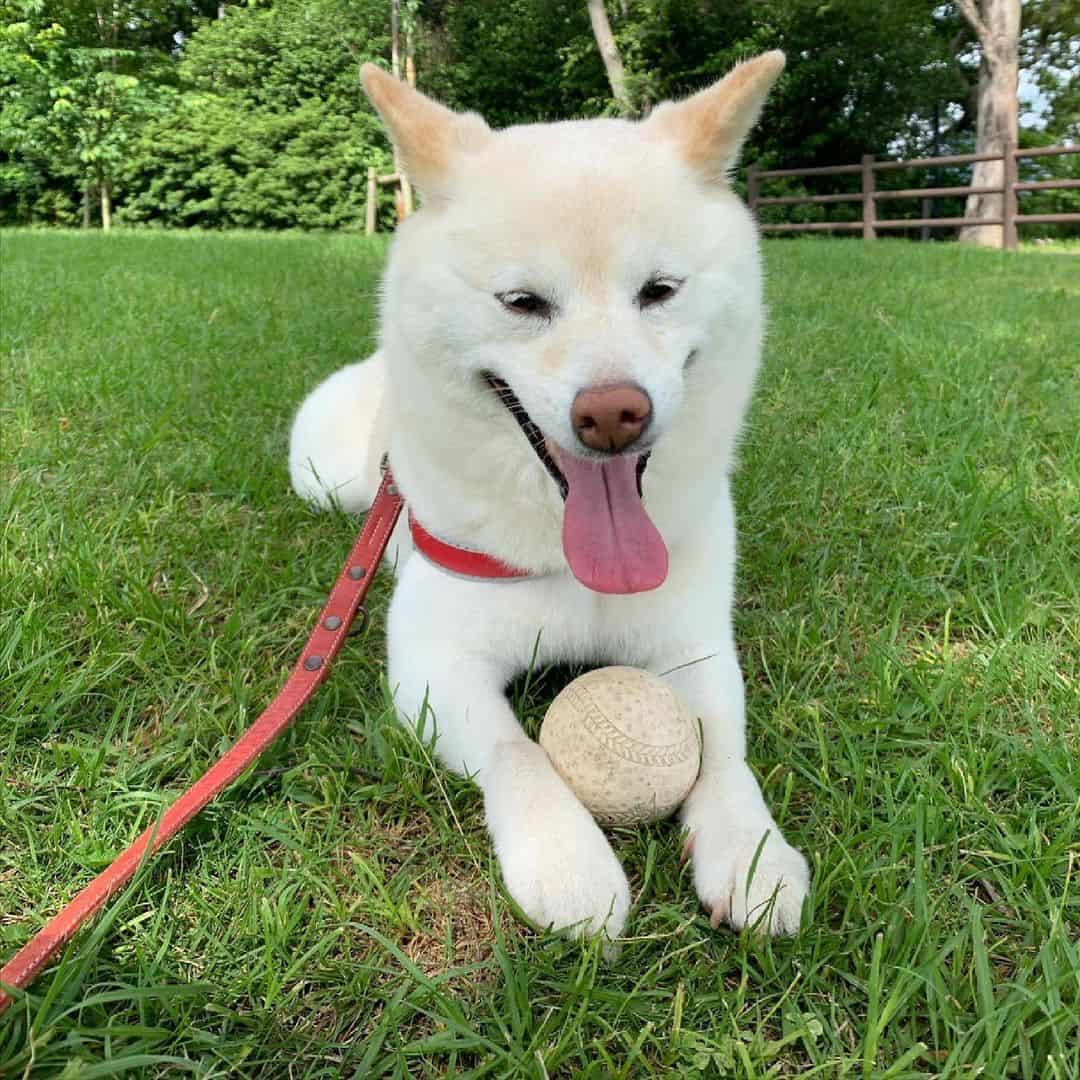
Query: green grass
(1068, 245)
(909, 626)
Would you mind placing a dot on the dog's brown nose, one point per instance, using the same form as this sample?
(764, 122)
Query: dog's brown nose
(610, 417)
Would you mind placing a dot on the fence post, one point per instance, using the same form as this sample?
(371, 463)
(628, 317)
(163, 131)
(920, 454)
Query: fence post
(372, 198)
(753, 188)
(869, 211)
(1009, 173)
(406, 192)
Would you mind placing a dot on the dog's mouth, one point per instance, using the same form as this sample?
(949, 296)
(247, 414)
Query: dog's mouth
(610, 544)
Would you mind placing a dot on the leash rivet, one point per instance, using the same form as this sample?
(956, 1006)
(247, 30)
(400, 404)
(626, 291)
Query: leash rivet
(313, 663)
(357, 572)
(331, 622)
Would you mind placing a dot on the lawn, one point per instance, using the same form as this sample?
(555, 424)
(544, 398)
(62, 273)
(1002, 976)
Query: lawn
(909, 628)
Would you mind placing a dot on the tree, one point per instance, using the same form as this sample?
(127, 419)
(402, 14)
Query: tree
(859, 71)
(405, 186)
(997, 26)
(509, 59)
(609, 53)
(270, 128)
(1050, 55)
(80, 81)
(27, 56)
(183, 113)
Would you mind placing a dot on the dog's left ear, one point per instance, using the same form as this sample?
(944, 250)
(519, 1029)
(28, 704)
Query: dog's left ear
(709, 128)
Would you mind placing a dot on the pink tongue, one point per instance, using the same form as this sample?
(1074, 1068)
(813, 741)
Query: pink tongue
(609, 541)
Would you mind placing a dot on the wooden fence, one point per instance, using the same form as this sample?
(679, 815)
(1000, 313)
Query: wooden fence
(403, 198)
(870, 224)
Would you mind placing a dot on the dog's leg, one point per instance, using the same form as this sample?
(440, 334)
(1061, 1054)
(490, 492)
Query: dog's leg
(745, 872)
(338, 438)
(555, 861)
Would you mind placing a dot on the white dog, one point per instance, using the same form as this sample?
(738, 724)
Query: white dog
(574, 302)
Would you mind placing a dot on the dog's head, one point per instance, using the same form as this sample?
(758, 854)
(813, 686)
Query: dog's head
(579, 272)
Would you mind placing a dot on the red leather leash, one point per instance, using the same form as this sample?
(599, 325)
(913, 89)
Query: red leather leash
(311, 669)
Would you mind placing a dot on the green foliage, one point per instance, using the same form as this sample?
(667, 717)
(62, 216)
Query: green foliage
(216, 163)
(272, 130)
(30, 56)
(260, 124)
(77, 91)
(1050, 52)
(513, 61)
(281, 55)
(858, 71)
(1061, 201)
(256, 118)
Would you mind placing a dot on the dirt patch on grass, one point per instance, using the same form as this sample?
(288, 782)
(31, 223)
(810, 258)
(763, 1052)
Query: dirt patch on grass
(451, 922)
(458, 926)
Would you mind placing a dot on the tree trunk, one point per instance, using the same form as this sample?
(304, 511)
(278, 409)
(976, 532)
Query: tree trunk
(997, 25)
(403, 200)
(395, 51)
(410, 58)
(609, 53)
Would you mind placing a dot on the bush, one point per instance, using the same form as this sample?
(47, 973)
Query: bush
(220, 163)
(271, 128)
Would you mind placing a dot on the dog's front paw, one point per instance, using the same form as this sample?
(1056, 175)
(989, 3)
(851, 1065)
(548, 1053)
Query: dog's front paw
(556, 863)
(744, 881)
(565, 876)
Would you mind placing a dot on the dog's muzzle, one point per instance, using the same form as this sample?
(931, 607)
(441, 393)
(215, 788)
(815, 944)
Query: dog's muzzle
(537, 439)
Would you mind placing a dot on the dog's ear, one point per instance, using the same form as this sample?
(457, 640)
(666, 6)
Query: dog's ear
(709, 128)
(428, 135)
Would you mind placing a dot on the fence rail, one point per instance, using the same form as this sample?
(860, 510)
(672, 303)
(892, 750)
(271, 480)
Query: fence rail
(870, 224)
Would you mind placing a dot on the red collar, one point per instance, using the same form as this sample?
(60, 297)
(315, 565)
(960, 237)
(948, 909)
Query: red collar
(461, 560)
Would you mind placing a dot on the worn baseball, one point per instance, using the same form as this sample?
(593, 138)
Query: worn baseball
(625, 743)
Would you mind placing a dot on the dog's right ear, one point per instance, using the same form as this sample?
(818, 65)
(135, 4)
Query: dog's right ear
(428, 135)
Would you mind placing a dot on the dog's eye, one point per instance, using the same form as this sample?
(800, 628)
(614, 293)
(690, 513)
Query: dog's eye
(657, 291)
(525, 303)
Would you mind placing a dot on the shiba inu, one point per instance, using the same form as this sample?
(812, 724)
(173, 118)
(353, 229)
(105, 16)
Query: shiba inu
(570, 330)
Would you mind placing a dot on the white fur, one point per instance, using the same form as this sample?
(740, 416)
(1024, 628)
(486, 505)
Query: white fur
(332, 453)
(584, 212)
